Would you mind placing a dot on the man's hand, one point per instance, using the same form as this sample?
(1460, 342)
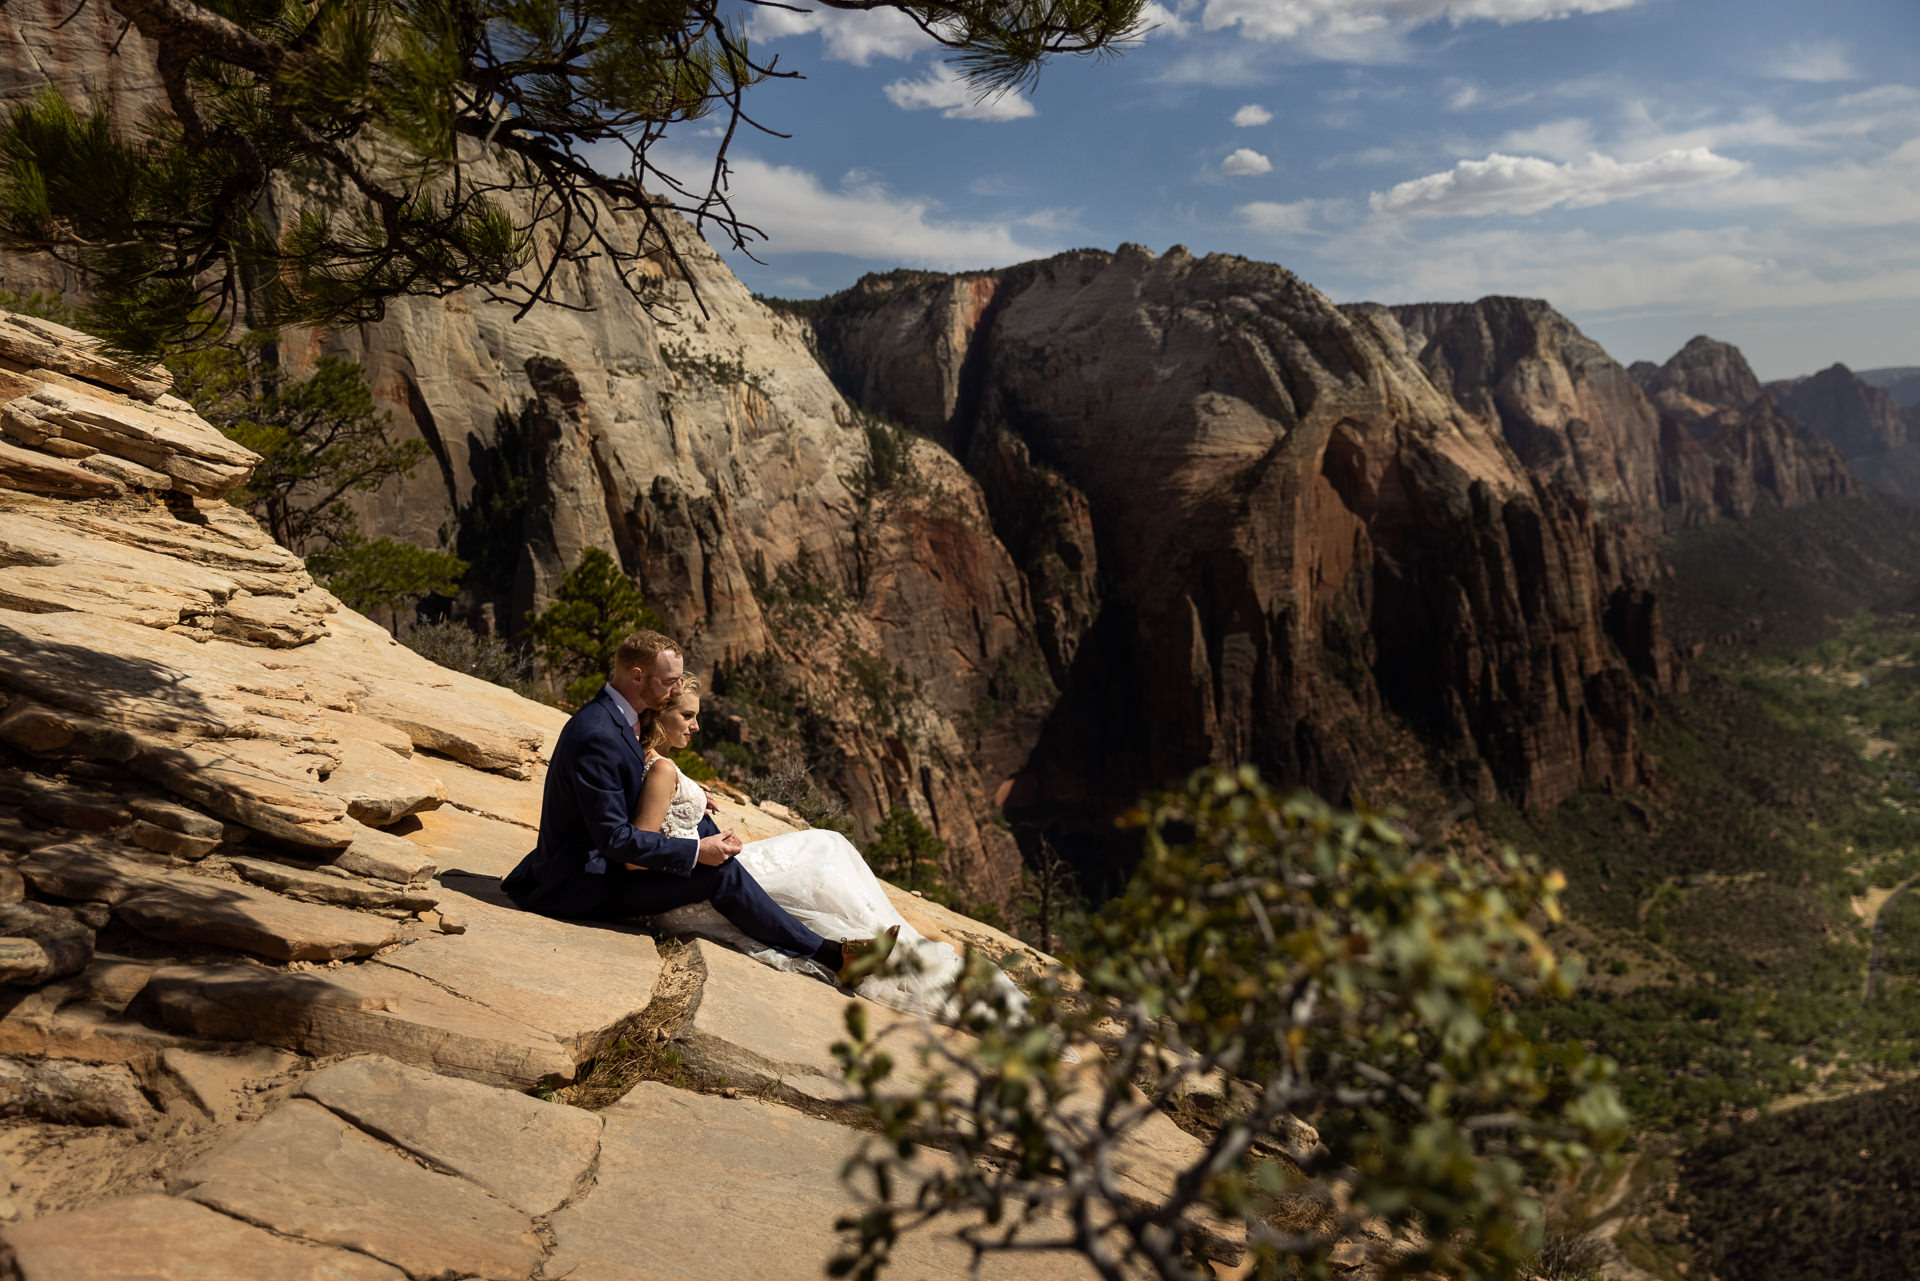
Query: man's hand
(713, 806)
(718, 848)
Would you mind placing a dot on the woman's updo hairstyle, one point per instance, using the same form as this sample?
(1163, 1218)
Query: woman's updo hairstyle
(648, 727)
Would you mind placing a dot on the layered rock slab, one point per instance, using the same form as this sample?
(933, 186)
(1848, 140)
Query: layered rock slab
(357, 1010)
(573, 980)
(303, 1172)
(764, 1029)
(530, 1154)
(668, 1158)
(183, 908)
(457, 840)
(158, 1238)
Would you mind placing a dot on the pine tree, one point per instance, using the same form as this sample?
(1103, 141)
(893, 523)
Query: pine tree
(906, 852)
(595, 608)
(319, 438)
(385, 574)
(320, 157)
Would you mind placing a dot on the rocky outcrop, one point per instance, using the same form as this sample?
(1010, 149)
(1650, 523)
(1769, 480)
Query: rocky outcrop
(1704, 370)
(1293, 529)
(1863, 422)
(1725, 446)
(264, 1012)
(1857, 418)
(1726, 463)
(1566, 408)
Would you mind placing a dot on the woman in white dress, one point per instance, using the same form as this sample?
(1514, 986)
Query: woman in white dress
(817, 875)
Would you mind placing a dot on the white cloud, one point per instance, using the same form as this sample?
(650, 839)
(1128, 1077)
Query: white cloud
(848, 36)
(1250, 115)
(1399, 154)
(1890, 113)
(1883, 191)
(1053, 219)
(1334, 24)
(1462, 94)
(1245, 162)
(1729, 269)
(865, 220)
(1275, 219)
(945, 90)
(1503, 184)
(1560, 139)
(1819, 63)
(1158, 19)
(1214, 66)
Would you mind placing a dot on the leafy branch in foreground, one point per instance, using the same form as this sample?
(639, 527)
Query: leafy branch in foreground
(317, 158)
(1301, 965)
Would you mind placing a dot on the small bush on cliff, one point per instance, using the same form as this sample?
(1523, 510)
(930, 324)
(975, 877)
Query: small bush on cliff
(906, 852)
(1325, 971)
(459, 648)
(319, 438)
(385, 574)
(595, 608)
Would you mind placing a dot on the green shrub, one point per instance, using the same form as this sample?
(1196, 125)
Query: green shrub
(459, 648)
(1311, 953)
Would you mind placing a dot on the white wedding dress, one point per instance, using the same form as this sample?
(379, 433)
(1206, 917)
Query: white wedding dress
(821, 879)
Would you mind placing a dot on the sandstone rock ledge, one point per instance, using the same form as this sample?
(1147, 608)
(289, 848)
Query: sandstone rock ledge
(263, 1010)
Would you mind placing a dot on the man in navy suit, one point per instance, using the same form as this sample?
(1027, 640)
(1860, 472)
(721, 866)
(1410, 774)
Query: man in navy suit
(592, 863)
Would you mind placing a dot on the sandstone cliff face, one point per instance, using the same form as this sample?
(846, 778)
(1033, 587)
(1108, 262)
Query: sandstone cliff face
(1567, 409)
(1725, 463)
(1294, 529)
(1703, 370)
(1864, 423)
(1859, 419)
(266, 1012)
(713, 458)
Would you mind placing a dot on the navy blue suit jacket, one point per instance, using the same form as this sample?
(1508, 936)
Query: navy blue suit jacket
(587, 836)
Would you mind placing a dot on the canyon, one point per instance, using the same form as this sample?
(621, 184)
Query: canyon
(1009, 548)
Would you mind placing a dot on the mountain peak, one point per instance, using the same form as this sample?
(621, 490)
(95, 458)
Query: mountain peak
(1707, 370)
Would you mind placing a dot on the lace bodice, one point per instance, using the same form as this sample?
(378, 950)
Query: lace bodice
(686, 809)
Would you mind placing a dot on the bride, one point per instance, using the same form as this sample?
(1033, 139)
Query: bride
(816, 875)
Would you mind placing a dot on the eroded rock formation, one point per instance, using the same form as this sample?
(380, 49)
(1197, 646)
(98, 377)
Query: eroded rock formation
(864, 625)
(1858, 418)
(265, 1011)
(1257, 523)
(1864, 423)
(1704, 370)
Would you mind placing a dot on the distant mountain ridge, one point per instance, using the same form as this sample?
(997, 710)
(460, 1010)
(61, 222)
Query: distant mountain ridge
(1168, 511)
(1902, 382)
(1307, 521)
(1863, 419)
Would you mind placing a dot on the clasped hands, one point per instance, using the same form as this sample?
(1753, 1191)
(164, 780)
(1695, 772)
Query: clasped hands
(718, 848)
(714, 850)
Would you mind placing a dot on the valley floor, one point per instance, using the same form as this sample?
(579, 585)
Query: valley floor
(1729, 914)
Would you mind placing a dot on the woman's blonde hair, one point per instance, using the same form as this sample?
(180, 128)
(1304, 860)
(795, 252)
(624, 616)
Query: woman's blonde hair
(648, 728)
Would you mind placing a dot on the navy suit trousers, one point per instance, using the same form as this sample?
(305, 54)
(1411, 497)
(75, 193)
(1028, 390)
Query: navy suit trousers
(732, 890)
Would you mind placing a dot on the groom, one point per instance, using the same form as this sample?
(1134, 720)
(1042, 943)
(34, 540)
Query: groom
(592, 863)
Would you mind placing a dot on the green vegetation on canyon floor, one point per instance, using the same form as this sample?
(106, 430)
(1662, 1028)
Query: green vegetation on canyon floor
(1726, 912)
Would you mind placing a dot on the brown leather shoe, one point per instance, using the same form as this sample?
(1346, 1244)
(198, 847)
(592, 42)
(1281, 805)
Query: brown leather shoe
(855, 951)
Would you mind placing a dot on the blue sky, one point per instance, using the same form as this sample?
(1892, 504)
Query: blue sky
(1748, 169)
